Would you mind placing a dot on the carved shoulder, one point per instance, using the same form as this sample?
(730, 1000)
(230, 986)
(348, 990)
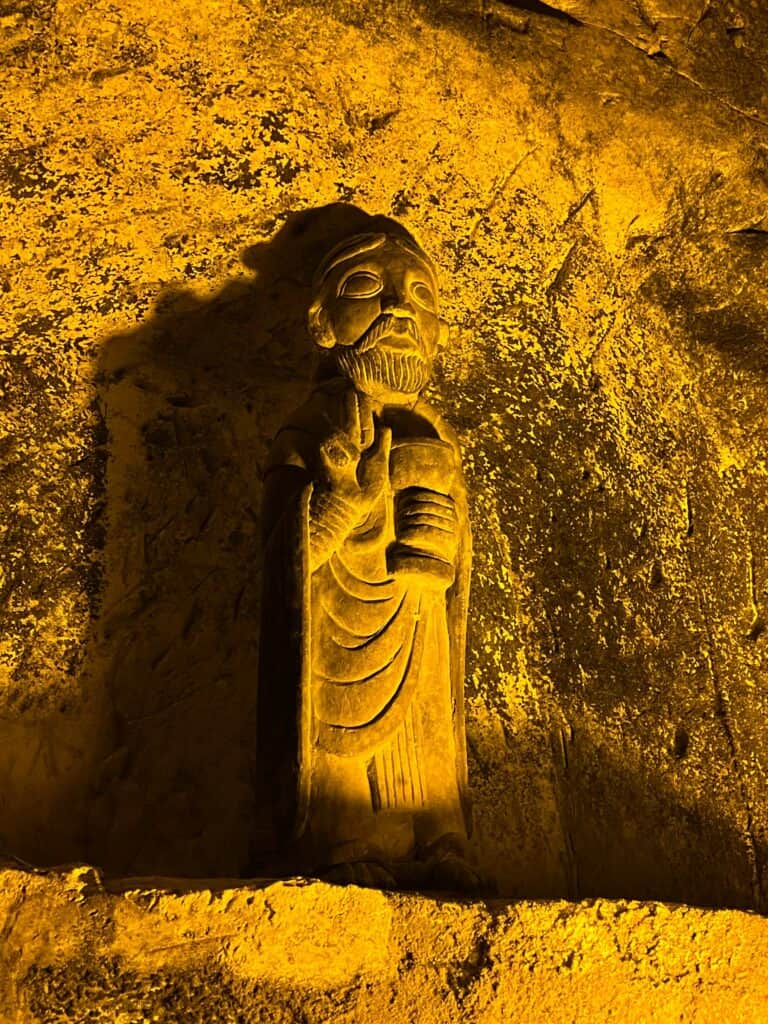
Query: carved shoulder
(298, 440)
(442, 427)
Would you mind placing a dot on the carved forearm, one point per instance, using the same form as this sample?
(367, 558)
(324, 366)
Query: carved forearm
(331, 520)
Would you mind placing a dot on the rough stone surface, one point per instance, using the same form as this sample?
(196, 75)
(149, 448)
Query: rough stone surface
(75, 950)
(592, 181)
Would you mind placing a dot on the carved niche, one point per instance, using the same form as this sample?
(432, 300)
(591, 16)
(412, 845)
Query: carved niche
(366, 582)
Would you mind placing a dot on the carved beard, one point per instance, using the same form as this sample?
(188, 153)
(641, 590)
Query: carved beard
(404, 372)
(364, 363)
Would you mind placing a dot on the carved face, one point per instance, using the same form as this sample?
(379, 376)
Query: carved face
(378, 311)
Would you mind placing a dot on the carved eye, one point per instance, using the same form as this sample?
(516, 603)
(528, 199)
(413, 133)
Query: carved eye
(360, 285)
(422, 293)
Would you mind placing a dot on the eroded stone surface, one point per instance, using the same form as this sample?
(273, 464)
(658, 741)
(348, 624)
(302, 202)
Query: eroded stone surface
(167, 950)
(598, 222)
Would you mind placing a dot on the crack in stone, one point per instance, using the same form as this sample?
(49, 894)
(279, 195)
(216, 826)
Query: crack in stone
(699, 85)
(498, 192)
(551, 10)
(548, 10)
(704, 12)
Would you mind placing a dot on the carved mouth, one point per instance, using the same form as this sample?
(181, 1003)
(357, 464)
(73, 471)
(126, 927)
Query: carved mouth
(401, 341)
(396, 332)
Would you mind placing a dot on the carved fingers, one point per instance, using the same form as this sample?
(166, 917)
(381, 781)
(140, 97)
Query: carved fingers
(355, 458)
(419, 507)
(339, 455)
(428, 522)
(341, 452)
(356, 471)
(359, 419)
(373, 471)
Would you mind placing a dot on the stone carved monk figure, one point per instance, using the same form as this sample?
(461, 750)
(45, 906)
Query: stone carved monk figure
(367, 560)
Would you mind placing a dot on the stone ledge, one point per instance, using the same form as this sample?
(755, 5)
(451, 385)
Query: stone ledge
(78, 948)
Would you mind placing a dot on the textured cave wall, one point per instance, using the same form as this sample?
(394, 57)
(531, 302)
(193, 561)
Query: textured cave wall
(592, 181)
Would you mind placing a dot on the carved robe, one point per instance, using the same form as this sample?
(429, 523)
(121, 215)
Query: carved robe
(362, 660)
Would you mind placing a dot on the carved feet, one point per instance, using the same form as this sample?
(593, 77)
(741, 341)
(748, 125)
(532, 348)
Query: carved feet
(449, 868)
(442, 866)
(368, 873)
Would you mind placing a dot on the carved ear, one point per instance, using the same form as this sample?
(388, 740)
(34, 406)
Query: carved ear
(320, 327)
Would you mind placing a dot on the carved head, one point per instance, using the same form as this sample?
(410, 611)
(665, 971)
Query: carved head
(375, 307)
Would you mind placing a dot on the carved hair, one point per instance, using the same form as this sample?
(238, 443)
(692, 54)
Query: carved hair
(368, 242)
(407, 373)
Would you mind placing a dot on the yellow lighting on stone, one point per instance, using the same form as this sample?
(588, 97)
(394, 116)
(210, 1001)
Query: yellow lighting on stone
(590, 180)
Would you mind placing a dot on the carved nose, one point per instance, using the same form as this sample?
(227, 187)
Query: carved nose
(392, 302)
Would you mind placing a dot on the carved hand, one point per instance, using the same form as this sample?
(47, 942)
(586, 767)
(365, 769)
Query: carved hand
(429, 521)
(356, 472)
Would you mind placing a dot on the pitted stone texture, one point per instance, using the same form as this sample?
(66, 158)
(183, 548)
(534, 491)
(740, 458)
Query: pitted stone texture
(596, 208)
(75, 950)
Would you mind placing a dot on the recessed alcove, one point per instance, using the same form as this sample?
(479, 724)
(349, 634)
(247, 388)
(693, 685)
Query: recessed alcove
(591, 180)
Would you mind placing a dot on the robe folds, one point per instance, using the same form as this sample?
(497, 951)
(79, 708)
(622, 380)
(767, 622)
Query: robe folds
(361, 709)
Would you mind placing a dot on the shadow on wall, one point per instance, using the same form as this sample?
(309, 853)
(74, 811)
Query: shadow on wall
(191, 401)
(598, 827)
